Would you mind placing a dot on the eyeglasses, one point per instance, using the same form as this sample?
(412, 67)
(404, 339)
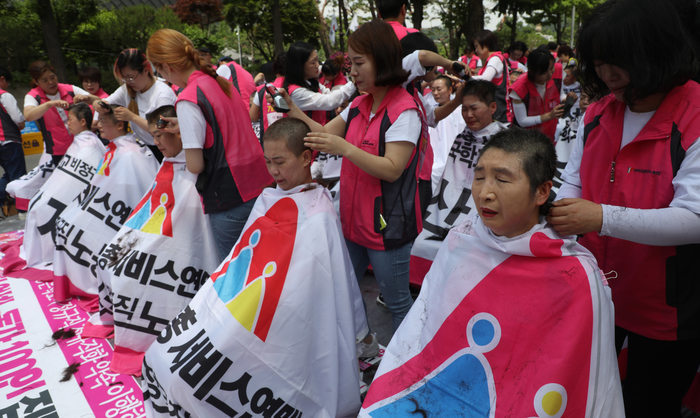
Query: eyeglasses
(130, 79)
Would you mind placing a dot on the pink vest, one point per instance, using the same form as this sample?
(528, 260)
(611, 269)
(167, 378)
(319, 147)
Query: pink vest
(503, 113)
(340, 80)
(426, 166)
(234, 166)
(471, 62)
(536, 106)
(317, 115)
(9, 131)
(242, 81)
(57, 139)
(400, 30)
(367, 203)
(656, 292)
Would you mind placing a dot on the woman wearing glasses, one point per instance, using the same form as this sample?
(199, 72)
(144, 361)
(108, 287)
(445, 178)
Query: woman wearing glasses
(47, 104)
(140, 94)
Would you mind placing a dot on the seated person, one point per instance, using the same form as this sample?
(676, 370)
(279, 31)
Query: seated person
(280, 316)
(169, 227)
(75, 171)
(512, 316)
(451, 203)
(94, 217)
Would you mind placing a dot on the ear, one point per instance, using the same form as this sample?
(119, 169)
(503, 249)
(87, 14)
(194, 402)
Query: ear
(403, 10)
(542, 193)
(493, 107)
(307, 156)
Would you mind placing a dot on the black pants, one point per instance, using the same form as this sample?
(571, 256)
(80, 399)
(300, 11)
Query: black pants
(659, 373)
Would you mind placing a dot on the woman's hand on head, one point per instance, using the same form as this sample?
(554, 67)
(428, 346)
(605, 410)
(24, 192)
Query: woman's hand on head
(81, 98)
(123, 114)
(330, 144)
(59, 103)
(576, 216)
(172, 127)
(98, 108)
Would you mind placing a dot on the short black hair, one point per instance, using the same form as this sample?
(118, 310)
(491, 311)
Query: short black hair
(534, 149)
(389, 9)
(82, 111)
(641, 29)
(517, 46)
(566, 50)
(290, 129)
(167, 111)
(538, 62)
(90, 73)
(417, 41)
(279, 65)
(4, 72)
(484, 90)
(552, 47)
(113, 117)
(488, 39)
(204, 49)
(446, 79)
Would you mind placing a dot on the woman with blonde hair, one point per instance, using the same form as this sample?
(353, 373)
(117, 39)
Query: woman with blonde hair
(219, 142)
(140, 94)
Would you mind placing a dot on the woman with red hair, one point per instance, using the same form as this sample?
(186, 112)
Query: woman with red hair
(219, 142)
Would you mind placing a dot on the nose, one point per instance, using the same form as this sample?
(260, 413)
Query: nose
(607, 73)
(486, 191)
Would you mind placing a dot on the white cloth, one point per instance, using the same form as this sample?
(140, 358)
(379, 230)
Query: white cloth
(307, 100)
(31, 101)
(412, 65)
(406, 127)
(90, 222)
(160, 94)
(193, 126)
(639, 225)
(564, 143)
(75, 171)
(572, 88)
(281, 316)
(504, 325)
(441, 139)
(451, 201)
(169, 233)
(494, 69)
(25, 187)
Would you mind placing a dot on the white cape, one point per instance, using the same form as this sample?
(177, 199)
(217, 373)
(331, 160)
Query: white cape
(73, 174)
(25, 187)
(90, 222)
(274, 331)
(442, 138)
(155, 264)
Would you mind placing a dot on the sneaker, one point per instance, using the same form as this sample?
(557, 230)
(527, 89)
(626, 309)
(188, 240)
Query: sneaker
(371, 349)
(22, 216)
(380, 300)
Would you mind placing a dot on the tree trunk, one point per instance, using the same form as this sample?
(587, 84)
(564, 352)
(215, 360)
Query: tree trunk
(475, 19)
(417, 17)
(49, 29)
(514, 27)
(323, 32)
(454, 44)
(342, 25)
(277, 27)
(372, 9)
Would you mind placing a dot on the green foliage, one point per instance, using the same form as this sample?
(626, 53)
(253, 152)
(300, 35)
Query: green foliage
(18, 17)
(299, 22)
(525, 33)
(199, 38)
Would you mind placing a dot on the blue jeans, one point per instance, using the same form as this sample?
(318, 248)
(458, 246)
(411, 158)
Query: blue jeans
(391, 269)
(228, 226)
(12, 161)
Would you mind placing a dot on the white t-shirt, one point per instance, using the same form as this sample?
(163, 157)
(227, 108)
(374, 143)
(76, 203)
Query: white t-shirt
(407, 127)
(9, 102)
(31, 101)
(193, 126)
(160, 94)
(494, 69)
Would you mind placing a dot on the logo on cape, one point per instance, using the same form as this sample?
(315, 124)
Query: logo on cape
(517, 353)
(250, 282)
(154, 213)
(103, 166)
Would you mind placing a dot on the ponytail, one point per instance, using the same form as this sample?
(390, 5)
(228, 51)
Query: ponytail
(168, 46)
